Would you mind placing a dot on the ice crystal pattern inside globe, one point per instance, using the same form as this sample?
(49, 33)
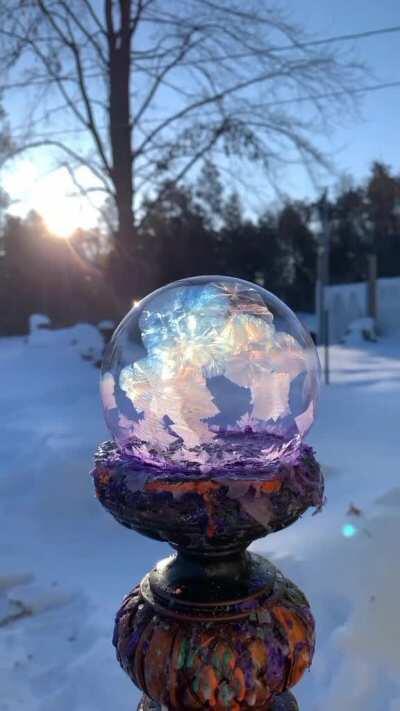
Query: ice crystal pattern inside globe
(209, 371)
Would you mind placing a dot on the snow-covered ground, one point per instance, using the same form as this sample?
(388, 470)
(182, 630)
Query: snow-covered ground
(65, 564)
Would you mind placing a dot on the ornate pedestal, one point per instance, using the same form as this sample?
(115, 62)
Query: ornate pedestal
(212, 626)
(188, 649)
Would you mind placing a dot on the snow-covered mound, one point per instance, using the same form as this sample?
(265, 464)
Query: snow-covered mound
(349, 302)
(85, 339)
(65, 564)
(362, 329)
(38, 321)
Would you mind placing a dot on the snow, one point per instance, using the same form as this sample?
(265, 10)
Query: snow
(348, 302)
(37, 321)
(105, 325)
(65, 564)
(362, 329)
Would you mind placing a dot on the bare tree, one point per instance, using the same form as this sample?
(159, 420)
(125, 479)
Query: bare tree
(138, 91)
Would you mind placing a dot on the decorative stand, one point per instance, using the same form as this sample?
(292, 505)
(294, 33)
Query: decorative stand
(209, 386)
(213, 626)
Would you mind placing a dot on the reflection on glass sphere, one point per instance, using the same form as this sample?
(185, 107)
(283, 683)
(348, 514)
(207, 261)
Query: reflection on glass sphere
(209, 371)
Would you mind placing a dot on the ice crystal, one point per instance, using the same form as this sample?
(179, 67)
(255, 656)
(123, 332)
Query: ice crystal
(205, 359)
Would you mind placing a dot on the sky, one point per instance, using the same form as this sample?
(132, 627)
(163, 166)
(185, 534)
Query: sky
(375, 136)
(353, 146)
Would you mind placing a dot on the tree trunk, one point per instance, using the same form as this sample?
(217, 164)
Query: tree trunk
(119, 42)
(123, 266)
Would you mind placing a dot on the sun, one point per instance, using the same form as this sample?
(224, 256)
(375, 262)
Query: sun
(54, 196)
(63, 210)
(64, 215)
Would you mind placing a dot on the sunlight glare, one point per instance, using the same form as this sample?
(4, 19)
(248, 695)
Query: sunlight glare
(62, 211)
(53, 196)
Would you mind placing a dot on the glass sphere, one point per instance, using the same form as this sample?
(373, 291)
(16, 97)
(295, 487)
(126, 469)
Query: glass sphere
(208, 372)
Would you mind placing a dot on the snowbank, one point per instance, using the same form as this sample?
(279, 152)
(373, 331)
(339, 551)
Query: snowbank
(349, 302)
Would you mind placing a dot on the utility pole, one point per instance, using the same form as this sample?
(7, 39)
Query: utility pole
(372, 288)
(323, 278)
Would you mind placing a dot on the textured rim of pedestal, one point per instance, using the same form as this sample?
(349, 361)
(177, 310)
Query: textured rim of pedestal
(213, 512)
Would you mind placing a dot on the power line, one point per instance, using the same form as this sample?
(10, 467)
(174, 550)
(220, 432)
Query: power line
(299, 45)
(300, 99)
(334, 94)
(341, 38)
(239, 55)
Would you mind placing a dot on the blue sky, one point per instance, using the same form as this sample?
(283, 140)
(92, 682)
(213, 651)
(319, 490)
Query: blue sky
(374, 135)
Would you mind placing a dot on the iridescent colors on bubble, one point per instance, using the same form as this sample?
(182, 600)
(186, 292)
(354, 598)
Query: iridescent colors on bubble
(209, 371)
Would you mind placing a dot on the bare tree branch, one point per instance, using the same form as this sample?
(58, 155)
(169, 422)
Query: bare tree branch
(78, 158)
(90, 120)
(85, 32)
(162, 74)
(89, 7)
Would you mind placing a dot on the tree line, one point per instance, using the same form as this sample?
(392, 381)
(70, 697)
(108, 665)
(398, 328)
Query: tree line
(199, 229)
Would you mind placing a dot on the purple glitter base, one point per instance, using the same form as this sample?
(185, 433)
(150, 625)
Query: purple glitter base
(207, 511)
(257, 454)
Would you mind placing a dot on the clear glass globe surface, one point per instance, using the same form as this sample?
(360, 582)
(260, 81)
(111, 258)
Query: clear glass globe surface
(209, 371)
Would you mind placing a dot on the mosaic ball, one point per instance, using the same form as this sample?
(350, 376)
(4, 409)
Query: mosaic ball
(207, 372)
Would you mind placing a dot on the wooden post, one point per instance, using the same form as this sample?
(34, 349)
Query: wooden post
(323, 282)
(319, 297)
(372, 287)
(326, 346)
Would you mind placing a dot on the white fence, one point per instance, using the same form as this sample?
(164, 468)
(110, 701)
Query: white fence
(348, 302)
